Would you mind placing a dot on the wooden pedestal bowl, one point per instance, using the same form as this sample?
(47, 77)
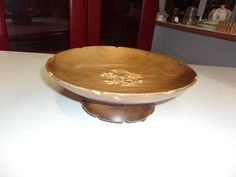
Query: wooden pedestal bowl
(120, 84)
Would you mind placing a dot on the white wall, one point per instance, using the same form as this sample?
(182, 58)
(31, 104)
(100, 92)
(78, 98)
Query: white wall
(193, 48)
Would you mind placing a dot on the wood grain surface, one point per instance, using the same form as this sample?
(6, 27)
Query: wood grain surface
(86, 67)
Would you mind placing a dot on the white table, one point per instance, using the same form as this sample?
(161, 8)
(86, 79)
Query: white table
(44, 132)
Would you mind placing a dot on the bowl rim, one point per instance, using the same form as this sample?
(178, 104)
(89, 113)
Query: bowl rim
(107, 93)
(97, 92)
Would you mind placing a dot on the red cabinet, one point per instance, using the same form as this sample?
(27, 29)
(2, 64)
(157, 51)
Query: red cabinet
(55, 25)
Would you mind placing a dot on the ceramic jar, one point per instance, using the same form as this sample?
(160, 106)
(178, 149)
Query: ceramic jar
(219, 14)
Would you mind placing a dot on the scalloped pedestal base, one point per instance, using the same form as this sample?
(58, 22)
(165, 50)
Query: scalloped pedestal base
(118, 113)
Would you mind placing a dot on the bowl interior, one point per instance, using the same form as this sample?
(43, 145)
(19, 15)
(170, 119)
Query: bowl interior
(119, 70)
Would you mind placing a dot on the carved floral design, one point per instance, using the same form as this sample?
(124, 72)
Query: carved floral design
(122, 77)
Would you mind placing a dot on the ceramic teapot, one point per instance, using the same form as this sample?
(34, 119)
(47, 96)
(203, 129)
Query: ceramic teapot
(219, 14)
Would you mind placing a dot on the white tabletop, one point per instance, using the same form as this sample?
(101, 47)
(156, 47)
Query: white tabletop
(44, 132)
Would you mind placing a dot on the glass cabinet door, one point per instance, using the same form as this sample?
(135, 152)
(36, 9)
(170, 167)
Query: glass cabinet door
(128, 23)
(55, 25)
(120, 22)
(37, 26)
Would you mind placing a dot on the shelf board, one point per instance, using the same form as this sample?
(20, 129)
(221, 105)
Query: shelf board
(197, 30)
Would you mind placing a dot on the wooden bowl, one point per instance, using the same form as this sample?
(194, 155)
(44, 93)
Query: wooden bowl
(118, 78)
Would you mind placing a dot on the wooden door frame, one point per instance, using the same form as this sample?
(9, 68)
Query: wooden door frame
(94, 22)
(78, 23)
(4, 42)
(147, 24)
